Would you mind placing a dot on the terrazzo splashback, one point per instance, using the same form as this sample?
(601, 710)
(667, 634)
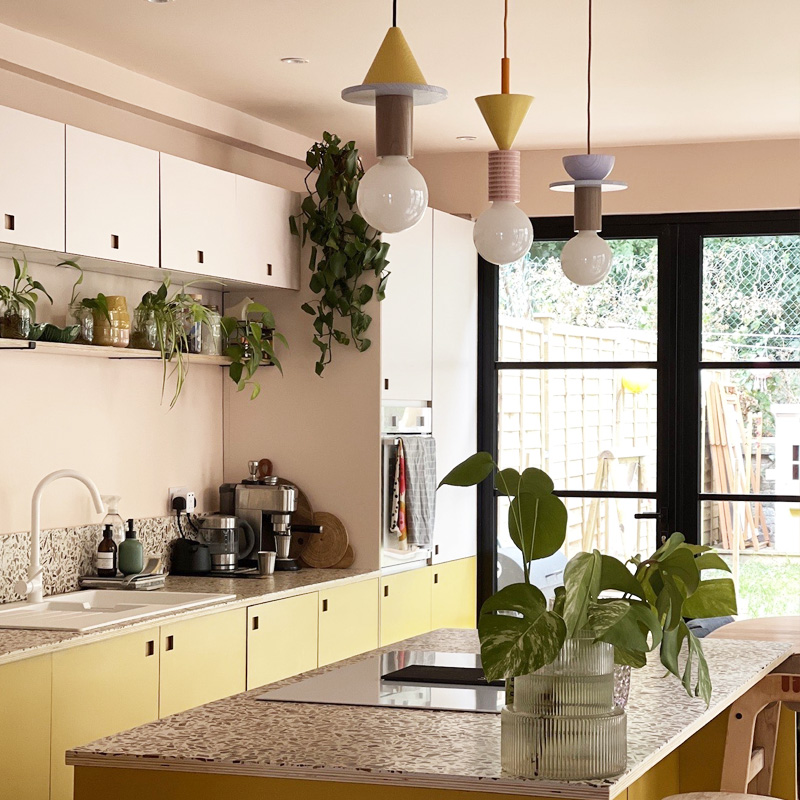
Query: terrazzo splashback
(67, 553)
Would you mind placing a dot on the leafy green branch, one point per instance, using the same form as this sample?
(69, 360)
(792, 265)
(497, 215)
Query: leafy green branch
(347, 256)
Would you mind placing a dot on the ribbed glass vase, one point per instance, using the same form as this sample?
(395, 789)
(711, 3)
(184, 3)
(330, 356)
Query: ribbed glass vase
(563, 723)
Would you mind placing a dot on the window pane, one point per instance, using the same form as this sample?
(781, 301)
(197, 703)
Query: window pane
(751, 430)
(545, 317)
(607, 524)
(751, 298)
(588, 429)
(767, 578)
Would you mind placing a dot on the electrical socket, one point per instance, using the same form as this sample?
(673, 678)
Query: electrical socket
(189, 497)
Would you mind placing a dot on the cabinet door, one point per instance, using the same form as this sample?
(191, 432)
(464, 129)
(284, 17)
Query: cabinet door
(202, 659)
(31, 180)
(198, 208)
(112, 199)
(405, 605)
(348, 621)
(268, 254)
(25, 729)
(100, 689)
(454, 596)
(406, 320)
(455, 381)
(281, 639)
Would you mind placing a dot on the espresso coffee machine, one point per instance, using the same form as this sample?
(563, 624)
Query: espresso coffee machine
(267, 503)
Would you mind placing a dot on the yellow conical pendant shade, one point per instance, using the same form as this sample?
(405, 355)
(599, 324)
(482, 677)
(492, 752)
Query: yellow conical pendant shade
(394, 63)
(504, 114)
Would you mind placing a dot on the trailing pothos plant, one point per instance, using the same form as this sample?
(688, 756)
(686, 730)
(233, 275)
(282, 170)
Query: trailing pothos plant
(20, 298)
(251, 343)
(347, 255)
(637, 606)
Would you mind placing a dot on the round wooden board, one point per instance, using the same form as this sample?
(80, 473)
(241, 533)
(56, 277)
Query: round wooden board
(347, 560)
(326, 549)
(304, 515)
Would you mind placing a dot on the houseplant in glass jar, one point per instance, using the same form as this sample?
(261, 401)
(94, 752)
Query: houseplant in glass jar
(18, 303)
(561, 720)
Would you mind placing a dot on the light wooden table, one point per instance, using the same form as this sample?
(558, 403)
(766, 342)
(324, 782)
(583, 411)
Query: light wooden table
(765, 629)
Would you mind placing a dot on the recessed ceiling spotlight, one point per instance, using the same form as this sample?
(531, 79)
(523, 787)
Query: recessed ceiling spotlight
(159, 1)
(466, 138)
(294, 60)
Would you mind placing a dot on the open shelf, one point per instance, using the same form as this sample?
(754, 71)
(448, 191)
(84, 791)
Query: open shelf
(110, 353)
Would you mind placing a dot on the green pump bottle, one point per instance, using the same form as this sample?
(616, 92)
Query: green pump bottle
(131, 555)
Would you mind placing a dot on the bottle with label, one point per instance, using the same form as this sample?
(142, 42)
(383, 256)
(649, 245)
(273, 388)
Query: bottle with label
(131, 555)
(106, 560)
(113, 518)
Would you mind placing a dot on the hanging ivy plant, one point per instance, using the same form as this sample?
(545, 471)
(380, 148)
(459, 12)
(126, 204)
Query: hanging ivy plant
(346, 253)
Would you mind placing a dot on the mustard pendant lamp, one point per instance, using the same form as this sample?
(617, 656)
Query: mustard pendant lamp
(392, 195)
(503, 233)
(586, 258)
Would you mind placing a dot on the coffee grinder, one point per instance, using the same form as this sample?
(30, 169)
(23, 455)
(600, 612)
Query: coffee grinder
(267, 503)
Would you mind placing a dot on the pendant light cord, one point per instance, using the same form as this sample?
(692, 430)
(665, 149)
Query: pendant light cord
(505, 31)
(588, 86)
(394, 13)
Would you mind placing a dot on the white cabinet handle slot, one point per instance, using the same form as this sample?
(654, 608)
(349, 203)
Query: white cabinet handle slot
(114, 241)
(10, 222)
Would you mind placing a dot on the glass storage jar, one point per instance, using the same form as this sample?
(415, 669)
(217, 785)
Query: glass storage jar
(15, 321)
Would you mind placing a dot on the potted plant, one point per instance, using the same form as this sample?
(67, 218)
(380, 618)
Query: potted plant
(555, 658)
(18, 303)
(163, 322)
(250, 345)
(345, 251)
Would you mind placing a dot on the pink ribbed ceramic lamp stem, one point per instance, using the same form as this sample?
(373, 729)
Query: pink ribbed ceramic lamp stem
(504, 176)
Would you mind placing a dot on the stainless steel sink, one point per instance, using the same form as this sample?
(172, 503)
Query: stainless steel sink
(92, 608)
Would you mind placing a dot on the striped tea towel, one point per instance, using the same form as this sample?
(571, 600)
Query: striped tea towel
(420, 457)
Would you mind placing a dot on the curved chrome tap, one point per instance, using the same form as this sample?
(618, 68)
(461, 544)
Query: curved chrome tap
(33, 588)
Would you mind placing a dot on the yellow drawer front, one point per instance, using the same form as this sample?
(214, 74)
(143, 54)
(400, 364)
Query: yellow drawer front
(348, 621)
(454, 594)
(98, 690)
(405, 605)
(25, 729)
(281, 639)
(202, 659)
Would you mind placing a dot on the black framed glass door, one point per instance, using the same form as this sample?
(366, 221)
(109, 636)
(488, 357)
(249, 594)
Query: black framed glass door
(604, 387)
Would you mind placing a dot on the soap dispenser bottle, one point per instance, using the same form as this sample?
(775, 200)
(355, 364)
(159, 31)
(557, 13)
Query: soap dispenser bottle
(114, 519)
(131, 555)
(107, 555)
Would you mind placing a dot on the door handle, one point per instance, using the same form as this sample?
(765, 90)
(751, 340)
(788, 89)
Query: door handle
(149, 648)
(648, 515)
(170, 643)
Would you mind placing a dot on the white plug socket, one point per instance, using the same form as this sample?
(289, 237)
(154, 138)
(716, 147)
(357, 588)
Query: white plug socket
(188, 496)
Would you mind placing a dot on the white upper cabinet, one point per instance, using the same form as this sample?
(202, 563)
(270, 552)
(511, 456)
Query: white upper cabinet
(112, 199)
(31, 180)
(406, 314)
(268, 254)
(455, 380)
(198, 218)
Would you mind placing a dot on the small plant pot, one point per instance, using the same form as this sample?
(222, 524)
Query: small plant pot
(16, 324)
(145, 331)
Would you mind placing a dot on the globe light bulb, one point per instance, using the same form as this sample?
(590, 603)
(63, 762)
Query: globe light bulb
(503, 233)
(586, 258)
(392, 195)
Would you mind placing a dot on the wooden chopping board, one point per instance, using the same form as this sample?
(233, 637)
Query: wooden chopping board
(326, 549)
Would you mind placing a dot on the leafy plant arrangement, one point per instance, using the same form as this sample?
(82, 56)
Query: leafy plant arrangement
(251, 344)
(636, 611)
(19, 302)
(344, 249)
(97, 305)
(167, 318)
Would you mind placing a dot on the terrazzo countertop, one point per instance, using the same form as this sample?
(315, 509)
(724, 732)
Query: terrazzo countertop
(436, 749)
(18, 644)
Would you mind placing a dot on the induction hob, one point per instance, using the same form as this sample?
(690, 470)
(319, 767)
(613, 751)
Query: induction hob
(364, 684)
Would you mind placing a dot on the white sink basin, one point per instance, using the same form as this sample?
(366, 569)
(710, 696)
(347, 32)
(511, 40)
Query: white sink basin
(90, 609)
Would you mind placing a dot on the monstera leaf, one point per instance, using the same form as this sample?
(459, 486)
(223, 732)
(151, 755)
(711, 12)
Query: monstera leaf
(537, 524)
(471, 472)
(522, 641)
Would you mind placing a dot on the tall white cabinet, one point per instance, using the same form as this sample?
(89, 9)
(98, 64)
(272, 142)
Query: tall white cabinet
(112, 199)
(406, 315)
(31, 180)
(455, 381)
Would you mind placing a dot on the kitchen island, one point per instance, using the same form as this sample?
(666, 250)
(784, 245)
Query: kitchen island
(245, 748)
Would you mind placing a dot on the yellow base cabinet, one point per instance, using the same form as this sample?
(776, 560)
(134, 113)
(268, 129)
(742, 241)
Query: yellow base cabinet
(100, 689)
(202, 659)
(405, 605)
(25, 729)
(281, 639)
(454, 596)
(348, 621)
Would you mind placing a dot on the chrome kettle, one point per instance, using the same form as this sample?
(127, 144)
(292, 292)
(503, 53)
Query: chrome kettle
(230, 540)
